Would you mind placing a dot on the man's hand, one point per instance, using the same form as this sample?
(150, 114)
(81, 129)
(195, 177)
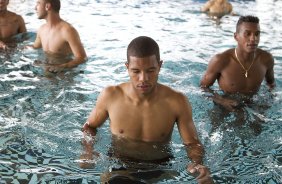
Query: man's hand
(88, 156)
(3, 45)
(55, 68)
(229, 104)
(201, 173)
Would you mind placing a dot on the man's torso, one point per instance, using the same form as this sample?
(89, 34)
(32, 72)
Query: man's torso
(53, 39)
(220, 7)
(149, 121)
(9, 25)
(233, 77)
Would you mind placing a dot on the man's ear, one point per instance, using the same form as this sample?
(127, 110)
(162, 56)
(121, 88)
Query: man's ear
(126, 64)
(47, 6)
(160, 63)
(235, 36)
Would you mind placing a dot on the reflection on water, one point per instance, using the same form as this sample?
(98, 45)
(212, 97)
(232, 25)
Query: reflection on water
(54, 59)
(41, 118)
(130, 149)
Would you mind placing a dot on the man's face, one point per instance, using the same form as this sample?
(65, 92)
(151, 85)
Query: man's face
(40, 8)
(248, 36)
(143, 73)
(3, 4)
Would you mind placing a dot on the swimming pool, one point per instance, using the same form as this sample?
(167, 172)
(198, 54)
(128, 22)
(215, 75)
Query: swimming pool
(41, 117)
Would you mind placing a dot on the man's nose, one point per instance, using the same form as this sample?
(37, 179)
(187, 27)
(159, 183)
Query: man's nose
(253, 37)
(143, 76)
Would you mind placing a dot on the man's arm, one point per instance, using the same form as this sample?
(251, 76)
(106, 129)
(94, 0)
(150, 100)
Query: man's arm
(215, 66)
(188, 132)
(37, 43)
(269, 76)
(22, 28)
(99, 114)
(194, 148)
(72, 37)
(213, 71)
(97, 117)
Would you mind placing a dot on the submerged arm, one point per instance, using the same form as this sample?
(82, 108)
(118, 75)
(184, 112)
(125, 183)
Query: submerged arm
(229, 104)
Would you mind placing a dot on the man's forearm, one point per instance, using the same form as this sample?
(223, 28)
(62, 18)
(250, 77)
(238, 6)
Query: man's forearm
(229, 104)
(218, 99)
(88, 141)
(195, 152)
(271, 86)
(73, 63)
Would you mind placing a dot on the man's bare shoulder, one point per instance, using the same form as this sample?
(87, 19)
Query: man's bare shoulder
(14, 17)
(265, 56)
(67, 27)
(176, 100)
(223, 58)
(222, 55)
(264, 53)
(42, 29)
(113, 91)
(167, 92)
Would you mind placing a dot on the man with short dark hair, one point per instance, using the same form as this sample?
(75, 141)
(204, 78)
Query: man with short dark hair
(11, 24)
(143, 112)
(241, 69)
(58, 38)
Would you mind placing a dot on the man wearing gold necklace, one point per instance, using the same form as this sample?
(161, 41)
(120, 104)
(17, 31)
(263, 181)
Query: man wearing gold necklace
(241, 69)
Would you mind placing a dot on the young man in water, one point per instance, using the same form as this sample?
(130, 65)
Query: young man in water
(11, 24)
(241, 69)
(58, 38)
(143, 112)
(217, 8)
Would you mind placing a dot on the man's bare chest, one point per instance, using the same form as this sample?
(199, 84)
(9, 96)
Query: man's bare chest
(53, 41)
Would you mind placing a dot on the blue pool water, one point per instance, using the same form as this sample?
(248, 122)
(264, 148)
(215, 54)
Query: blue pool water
(41, 117)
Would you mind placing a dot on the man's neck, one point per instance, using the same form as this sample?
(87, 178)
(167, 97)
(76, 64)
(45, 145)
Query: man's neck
(246, 56)
(3, 12)
(53, 19)
(139, 97)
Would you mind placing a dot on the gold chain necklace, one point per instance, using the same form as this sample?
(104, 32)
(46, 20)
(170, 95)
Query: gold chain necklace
(246, 71)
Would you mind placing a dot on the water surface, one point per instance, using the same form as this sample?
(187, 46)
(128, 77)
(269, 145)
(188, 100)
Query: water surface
(41, 117)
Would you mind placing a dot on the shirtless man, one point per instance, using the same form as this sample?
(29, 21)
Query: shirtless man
(10, 24)
(241, 69)
(57, 37)
(143, 112)
(217, 7)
